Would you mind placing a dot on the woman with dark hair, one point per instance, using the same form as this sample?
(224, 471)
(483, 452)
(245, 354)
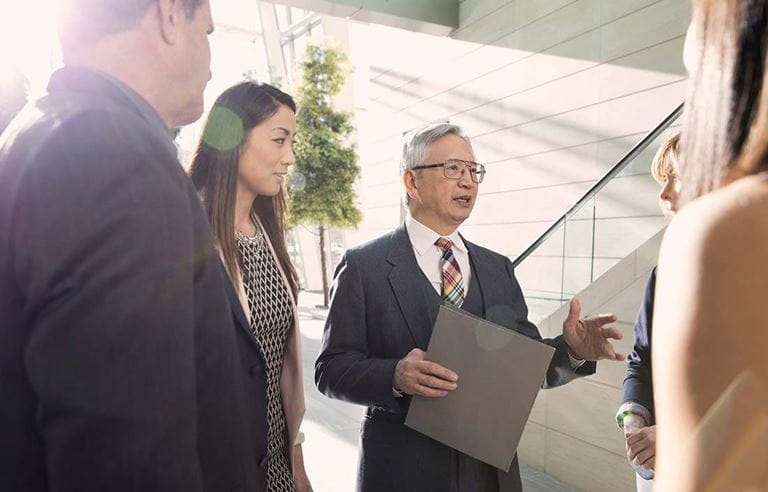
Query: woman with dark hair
(239, 170)
(710, 359)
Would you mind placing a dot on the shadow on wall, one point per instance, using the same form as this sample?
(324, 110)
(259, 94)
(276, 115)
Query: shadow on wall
(555, 175)
(599, 32)
(585, 133)
(543, 27)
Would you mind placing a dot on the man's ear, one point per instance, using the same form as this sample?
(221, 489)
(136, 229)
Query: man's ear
(170, 17)
(409, 181)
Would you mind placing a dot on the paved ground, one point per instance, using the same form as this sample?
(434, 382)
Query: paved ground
(332, 427)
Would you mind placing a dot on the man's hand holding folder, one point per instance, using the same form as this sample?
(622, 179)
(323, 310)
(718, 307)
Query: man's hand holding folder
(588, 339)
(416, 376)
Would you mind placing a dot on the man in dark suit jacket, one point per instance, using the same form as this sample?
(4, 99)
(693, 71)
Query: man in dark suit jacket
(386, 296)
(119, 360)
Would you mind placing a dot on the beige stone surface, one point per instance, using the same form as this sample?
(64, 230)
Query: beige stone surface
(587, 467)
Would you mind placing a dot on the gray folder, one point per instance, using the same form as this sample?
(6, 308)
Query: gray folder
(500, 373)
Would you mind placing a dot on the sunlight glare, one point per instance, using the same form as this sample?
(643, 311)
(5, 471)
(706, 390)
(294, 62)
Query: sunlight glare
(28, 40)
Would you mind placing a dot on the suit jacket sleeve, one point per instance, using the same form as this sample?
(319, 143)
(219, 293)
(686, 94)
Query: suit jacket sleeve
(343, 369)
(103, 254)
(560, 369)
(638, 387)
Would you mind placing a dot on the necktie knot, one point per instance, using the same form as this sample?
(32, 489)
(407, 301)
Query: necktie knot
(444, 244)
(452, 284)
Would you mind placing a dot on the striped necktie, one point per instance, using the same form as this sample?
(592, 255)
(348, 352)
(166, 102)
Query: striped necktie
(453, 287)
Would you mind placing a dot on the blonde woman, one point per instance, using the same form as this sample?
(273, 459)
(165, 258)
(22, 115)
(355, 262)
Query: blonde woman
(636, 413)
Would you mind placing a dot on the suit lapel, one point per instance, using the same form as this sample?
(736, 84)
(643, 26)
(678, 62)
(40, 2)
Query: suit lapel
(482, 273)
(241, 320)
(410, 296)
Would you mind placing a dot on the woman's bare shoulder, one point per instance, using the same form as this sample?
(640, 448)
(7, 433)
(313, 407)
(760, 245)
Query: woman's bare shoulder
(731, 221)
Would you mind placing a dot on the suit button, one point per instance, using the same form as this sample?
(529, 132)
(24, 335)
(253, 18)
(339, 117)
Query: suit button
(255, 370)
(263, 462)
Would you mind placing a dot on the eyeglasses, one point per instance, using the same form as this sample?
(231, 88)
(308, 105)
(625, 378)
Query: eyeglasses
(454, 169)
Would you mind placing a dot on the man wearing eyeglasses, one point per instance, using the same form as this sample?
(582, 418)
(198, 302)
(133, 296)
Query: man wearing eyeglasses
(385, 299)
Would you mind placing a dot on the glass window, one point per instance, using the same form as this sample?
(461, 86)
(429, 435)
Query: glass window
(294, 252)
(316, 32)
(288, 57)
(283, 17)
(336, 245)
(297, 15)
(300, 47)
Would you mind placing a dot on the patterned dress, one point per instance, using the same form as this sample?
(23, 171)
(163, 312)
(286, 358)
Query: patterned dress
(271, 318)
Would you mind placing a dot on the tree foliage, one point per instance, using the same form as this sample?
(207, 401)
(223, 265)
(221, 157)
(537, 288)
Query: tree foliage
(326, 162)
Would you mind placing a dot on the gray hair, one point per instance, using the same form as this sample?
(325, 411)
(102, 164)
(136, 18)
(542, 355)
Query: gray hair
(417, 143)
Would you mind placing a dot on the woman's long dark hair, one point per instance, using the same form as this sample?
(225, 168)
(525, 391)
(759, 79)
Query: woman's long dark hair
(726, 124)
(214, 171)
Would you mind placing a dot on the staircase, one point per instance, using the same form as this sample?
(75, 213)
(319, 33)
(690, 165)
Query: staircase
(603, 255)
(615, 216)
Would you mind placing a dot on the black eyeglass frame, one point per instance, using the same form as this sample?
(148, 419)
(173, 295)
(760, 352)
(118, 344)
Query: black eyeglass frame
(478, 175)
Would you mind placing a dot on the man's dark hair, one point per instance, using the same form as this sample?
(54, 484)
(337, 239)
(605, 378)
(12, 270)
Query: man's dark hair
(90, 20)
(191, 5)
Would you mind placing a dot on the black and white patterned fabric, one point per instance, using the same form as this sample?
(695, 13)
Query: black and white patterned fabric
(271, 318)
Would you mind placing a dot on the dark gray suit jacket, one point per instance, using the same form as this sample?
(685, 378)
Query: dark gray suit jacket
(120, 366)
(378, 314)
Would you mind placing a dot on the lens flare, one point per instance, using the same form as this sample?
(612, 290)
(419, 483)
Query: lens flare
(28, 40)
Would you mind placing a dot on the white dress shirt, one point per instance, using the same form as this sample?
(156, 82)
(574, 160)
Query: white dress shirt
(428, 254)
(428, 257)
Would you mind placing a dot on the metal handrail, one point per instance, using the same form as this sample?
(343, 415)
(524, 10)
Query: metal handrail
(600, 184)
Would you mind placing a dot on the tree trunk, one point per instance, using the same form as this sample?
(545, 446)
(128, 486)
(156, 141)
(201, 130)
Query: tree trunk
(323, 264)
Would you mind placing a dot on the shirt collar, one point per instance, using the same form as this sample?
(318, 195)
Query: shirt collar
(422, 237)
(142, 105)
(77, 75)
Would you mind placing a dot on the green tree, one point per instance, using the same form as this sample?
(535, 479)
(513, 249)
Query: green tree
(326, 167)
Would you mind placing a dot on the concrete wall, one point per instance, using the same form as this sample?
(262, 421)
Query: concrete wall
(571, 433)
(551, 92)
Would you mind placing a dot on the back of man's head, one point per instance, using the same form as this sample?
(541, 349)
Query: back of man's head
(87, 21)
(158, 48)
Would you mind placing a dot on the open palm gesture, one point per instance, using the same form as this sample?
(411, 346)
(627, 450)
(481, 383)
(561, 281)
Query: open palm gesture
(589, 338)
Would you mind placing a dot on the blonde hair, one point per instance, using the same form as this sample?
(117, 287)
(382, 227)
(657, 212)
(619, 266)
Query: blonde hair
(666, 159)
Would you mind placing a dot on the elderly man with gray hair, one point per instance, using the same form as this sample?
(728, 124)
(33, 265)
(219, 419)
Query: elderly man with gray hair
(385, 299)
